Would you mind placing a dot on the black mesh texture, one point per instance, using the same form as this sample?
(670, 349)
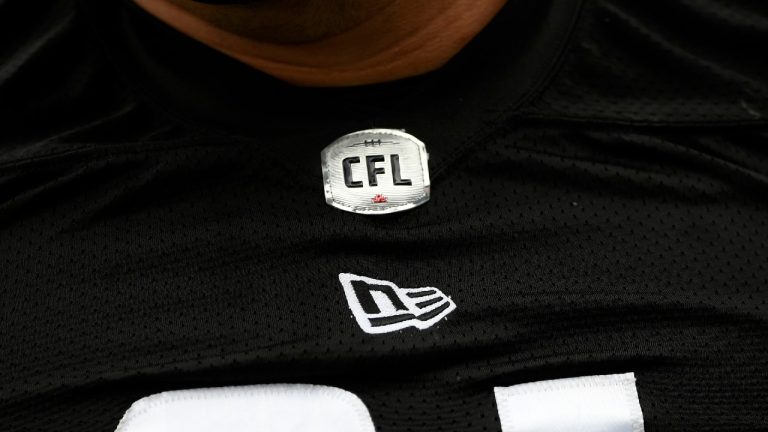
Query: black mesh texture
(616, 222)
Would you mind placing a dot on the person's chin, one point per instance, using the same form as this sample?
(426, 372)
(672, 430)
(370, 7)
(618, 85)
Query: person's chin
(222, 2)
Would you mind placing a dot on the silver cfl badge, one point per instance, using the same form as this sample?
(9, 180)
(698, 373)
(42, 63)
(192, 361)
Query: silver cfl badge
(375, 171)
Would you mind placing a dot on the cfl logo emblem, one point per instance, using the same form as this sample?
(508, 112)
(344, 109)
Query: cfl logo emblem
(373, 170)
(380, 306)
(376, 171)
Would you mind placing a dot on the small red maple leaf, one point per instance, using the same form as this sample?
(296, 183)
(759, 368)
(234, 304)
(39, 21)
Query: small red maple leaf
(379, 198)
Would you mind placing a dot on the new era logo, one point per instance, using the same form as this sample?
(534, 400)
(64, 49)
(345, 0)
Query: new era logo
(380, 306)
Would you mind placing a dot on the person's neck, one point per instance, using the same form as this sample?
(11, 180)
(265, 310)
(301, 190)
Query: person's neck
(402, 39)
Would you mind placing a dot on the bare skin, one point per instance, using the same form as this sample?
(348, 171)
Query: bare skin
(330, 43)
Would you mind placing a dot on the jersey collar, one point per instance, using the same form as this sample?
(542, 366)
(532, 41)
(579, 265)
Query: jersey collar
(459, 106)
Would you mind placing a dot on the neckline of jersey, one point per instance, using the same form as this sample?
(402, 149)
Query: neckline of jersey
(453, 109)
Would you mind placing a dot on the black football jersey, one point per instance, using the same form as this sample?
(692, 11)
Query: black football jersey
(599, 205)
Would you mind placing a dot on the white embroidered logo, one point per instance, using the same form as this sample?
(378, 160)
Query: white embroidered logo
(380, 306)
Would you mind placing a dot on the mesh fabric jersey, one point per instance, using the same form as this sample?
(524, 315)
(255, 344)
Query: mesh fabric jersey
(599, 182)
